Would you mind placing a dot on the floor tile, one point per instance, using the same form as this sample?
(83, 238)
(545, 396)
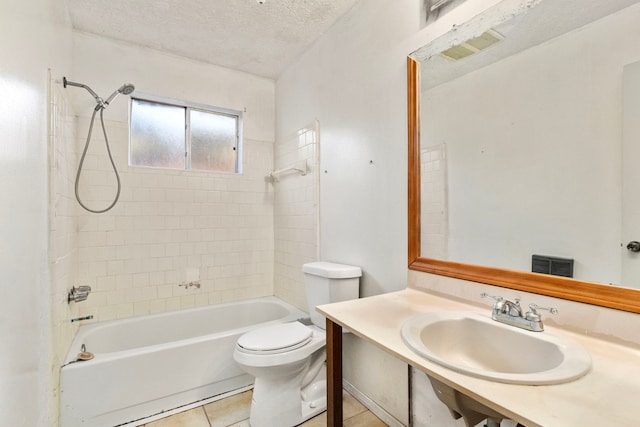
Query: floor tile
(364, 419)
(226, 412)
(243, 423)
(234, 411)
(351, 406)
(317, 421)
(191, 418)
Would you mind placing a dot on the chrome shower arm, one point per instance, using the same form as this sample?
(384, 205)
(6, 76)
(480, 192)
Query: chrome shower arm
(66, 83)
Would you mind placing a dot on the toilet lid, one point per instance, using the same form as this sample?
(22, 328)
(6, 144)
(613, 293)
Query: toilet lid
(276, 338)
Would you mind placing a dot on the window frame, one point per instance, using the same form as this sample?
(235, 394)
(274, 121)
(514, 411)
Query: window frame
(188, 106)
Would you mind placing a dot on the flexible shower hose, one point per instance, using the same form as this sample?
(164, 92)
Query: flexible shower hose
(84, 153)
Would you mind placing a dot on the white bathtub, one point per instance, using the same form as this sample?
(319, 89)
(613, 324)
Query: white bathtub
(147, 365)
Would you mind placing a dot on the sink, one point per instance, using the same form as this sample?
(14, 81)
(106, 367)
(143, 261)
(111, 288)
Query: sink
(476, 345)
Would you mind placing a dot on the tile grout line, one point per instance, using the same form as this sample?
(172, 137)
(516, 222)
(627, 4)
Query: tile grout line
(206, 417)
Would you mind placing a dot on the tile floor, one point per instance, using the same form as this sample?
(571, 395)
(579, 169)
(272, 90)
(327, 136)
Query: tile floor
(234, 412)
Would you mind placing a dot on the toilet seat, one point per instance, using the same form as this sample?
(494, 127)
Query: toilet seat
(275, 339)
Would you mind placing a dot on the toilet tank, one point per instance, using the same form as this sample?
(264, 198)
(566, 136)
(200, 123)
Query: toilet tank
(327, 282)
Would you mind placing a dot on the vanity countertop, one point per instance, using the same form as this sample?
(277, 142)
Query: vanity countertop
(606, 395)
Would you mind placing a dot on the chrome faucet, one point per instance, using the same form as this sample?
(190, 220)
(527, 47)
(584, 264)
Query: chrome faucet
(513, 309)
(510, 313)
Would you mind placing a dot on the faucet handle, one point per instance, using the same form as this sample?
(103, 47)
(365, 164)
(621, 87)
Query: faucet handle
(78, 294)
(496, 298)
(534, 315)
(499, 302)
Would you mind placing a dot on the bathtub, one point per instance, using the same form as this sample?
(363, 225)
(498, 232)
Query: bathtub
(150, 364)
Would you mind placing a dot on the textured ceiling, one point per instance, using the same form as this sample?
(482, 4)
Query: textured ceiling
(261, 39)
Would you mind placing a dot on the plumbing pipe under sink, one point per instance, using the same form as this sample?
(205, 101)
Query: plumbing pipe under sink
(462, 406)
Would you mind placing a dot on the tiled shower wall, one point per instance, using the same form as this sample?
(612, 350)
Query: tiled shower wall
(63, 236)
(171, 227)
(434, 230)
(296, 213)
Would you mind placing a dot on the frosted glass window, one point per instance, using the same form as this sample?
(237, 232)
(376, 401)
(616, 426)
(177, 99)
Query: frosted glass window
(184, 136)
(213, 141)
(157, 135)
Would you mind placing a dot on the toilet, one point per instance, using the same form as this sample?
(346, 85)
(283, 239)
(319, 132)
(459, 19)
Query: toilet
(288, 359)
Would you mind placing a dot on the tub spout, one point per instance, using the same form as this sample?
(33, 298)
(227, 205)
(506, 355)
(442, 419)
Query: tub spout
(84, 355)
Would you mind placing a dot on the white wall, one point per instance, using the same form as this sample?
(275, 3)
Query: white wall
(341, 82)
(171, 226)
(35, 35)
(558, 152)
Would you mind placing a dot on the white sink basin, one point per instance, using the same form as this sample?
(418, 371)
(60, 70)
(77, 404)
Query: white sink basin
(476, 345)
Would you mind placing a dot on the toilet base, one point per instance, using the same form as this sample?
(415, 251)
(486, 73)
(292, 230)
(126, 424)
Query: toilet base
(314, 397)
(283, 404)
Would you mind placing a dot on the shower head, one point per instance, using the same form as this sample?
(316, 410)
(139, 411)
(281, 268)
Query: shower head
(125, 89)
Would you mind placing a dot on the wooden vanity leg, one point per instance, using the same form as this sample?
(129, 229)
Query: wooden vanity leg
(334, 374)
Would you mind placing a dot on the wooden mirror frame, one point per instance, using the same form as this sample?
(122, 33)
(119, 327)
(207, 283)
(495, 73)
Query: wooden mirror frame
(555, 286)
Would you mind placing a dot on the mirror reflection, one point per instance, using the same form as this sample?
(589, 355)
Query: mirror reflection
(530, 142)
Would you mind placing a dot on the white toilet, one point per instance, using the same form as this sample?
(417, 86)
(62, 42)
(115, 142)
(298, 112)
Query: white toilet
(288, 359)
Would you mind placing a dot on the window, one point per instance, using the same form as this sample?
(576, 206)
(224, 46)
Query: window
(177, 135)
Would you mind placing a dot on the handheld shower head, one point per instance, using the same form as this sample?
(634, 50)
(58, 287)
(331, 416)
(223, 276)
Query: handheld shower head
(125, 89)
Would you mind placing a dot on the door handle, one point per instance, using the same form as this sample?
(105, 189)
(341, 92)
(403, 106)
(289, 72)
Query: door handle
(633, 246)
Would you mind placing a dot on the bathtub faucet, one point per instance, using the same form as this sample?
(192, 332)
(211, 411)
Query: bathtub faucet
(195, 283)
(78, 294)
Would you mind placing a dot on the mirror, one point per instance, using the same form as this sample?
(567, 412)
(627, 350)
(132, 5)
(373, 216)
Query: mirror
(525, 147)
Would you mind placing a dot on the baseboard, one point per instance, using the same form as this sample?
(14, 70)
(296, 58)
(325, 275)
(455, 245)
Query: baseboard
(377, 410)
